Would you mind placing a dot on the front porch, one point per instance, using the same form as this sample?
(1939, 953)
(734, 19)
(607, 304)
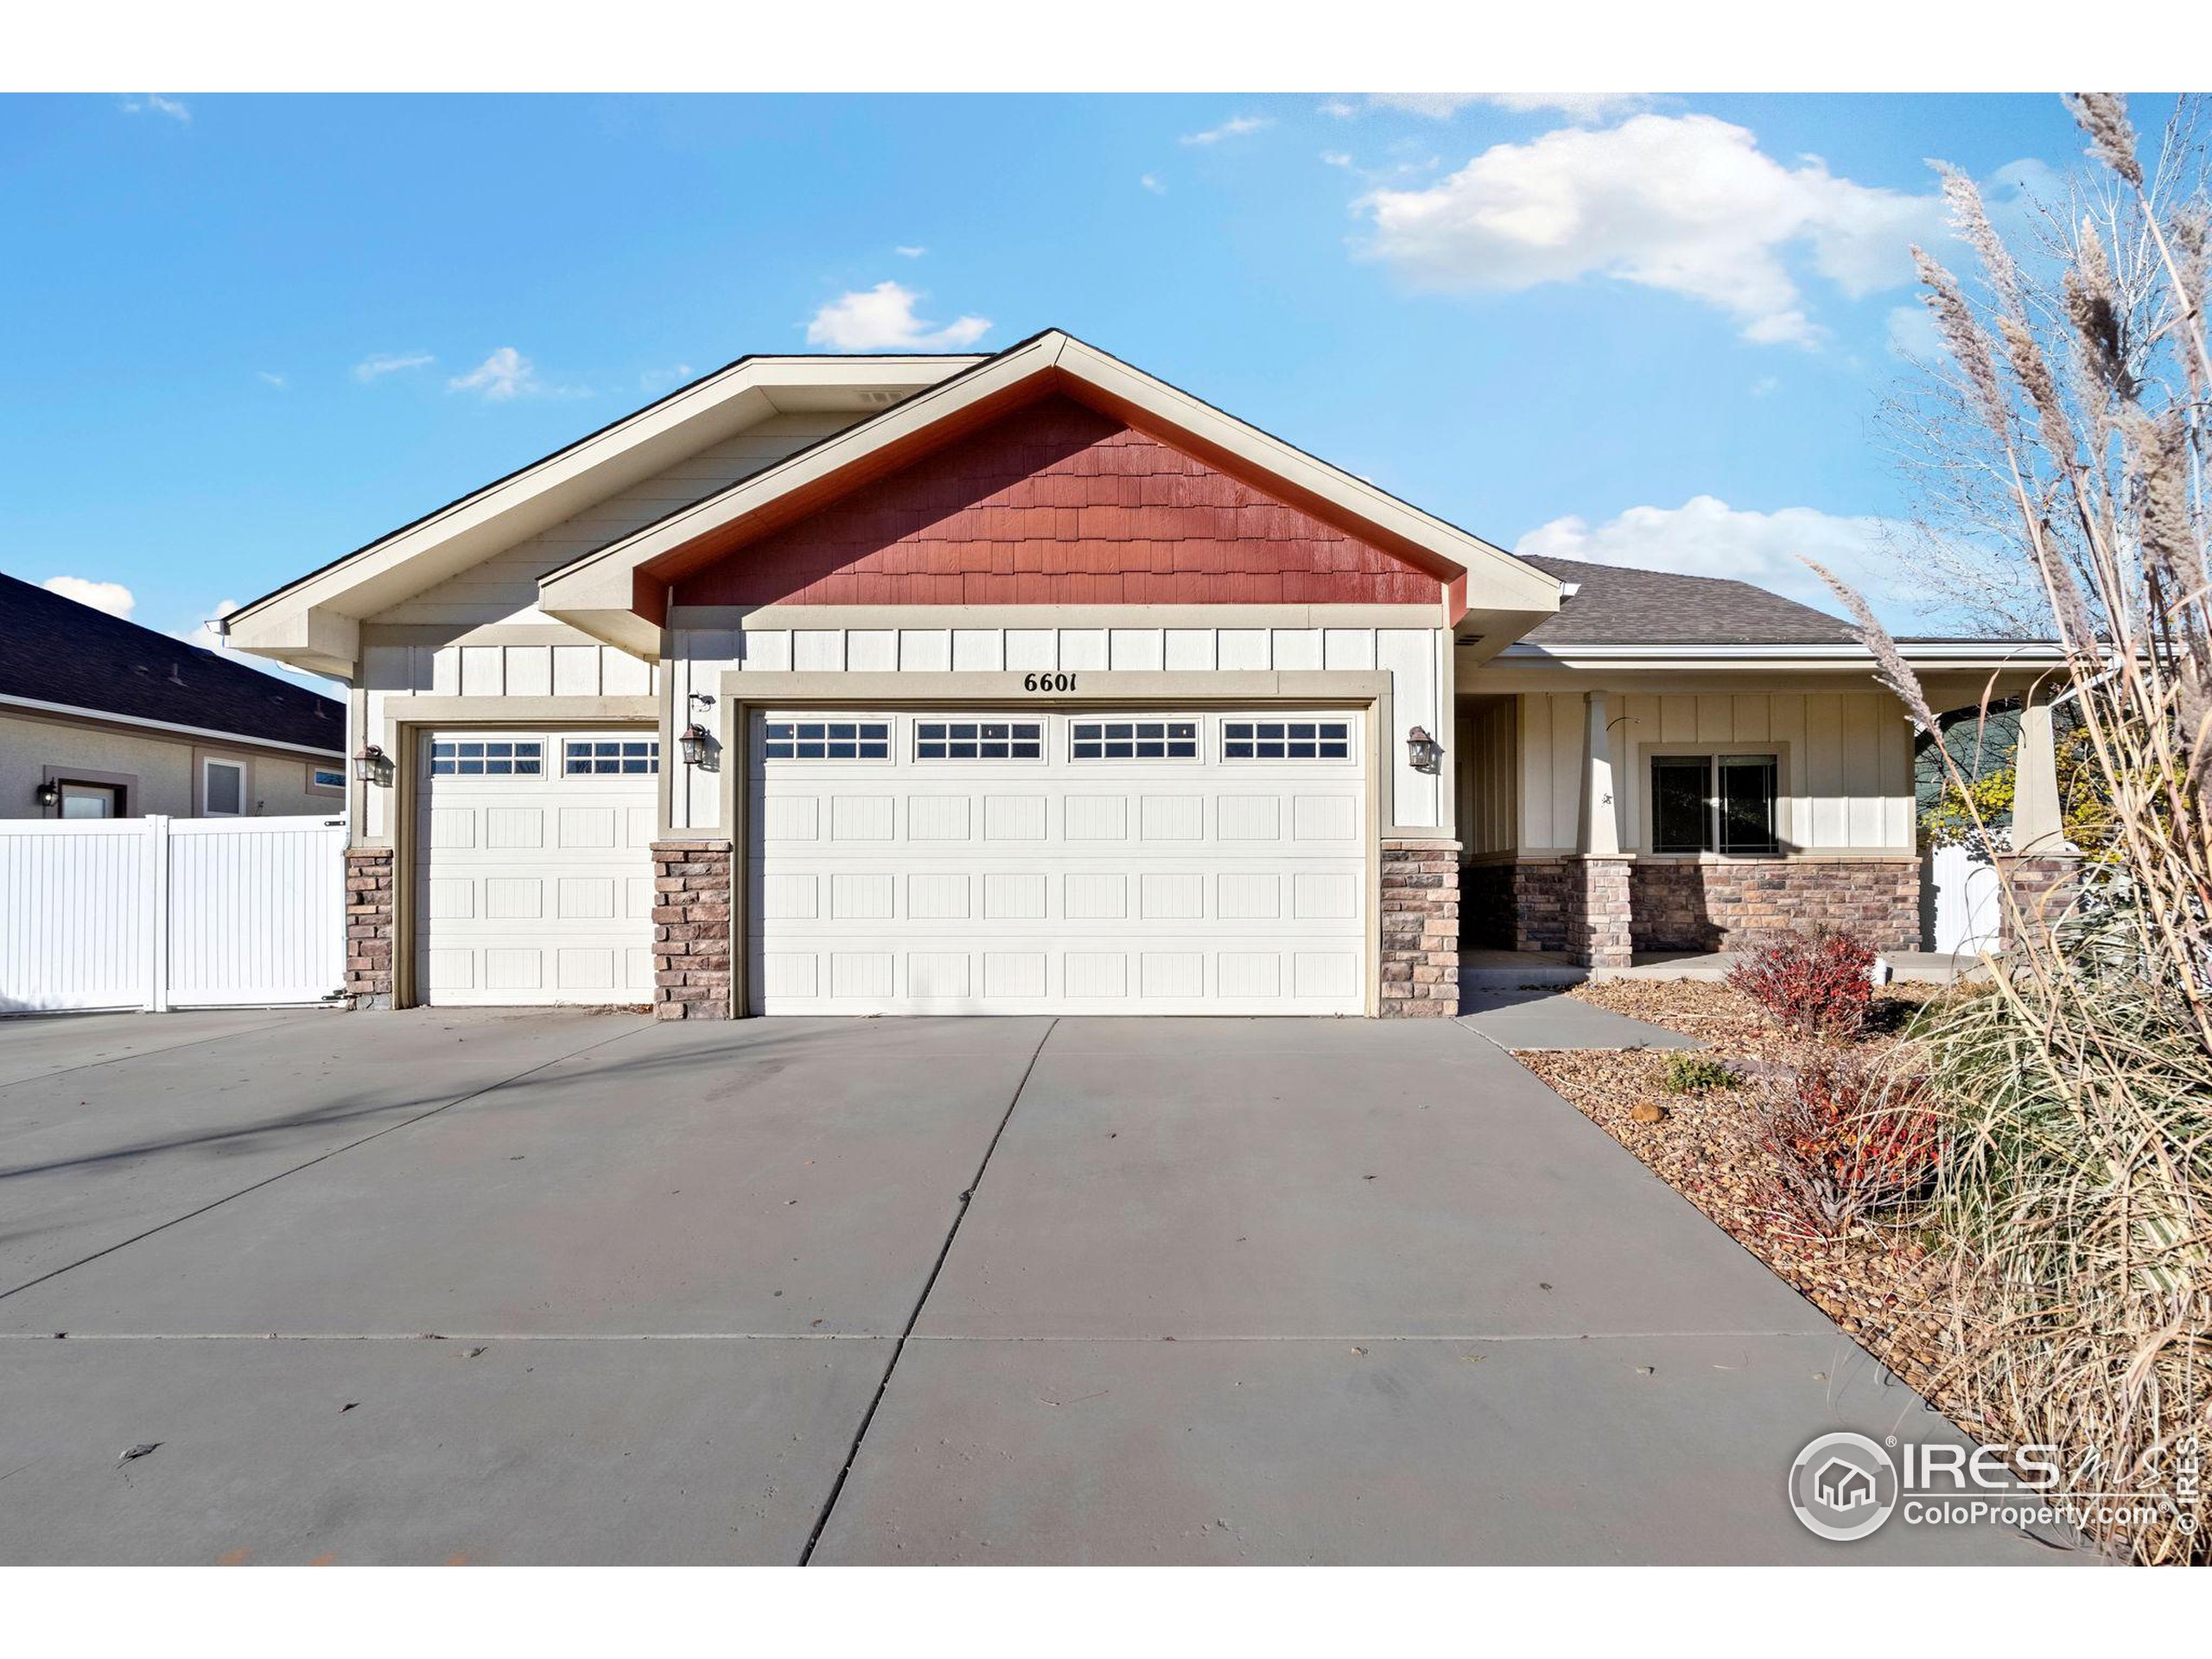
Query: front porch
(1511, 970)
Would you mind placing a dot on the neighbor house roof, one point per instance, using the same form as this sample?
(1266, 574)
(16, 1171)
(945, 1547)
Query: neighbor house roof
(1614, 605)
(62, 657)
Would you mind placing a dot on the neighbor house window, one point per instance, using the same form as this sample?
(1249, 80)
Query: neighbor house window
(978, 740)
(488, 758)
(826, 740)
(91, 800)
(1286, 739)
(1715, 803)
(222, 789)
(611, 757)
(1133, 739)
(326, 778)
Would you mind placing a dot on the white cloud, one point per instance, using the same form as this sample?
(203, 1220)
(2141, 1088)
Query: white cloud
(1913, 334)
(660, 379)
(1584, 108)
(1151, 181)
(172, 107)
(269, 378)
(506, 374)
(375, 367)
(1437, 106)
(909, 251)
(881, 319)
(1689, 204)
(1335, 158)
(110, 596)
(1766, 385)
(1236, 127)
(1706, 537)
(1342, 109)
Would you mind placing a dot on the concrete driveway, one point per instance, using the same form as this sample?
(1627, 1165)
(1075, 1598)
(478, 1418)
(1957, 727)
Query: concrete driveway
(565, 1287)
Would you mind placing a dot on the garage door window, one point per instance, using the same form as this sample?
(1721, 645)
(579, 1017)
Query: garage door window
(1286, 739)
(826, 740)
(1133, 739)
(611, 757)
(978, 740)
(487, 758)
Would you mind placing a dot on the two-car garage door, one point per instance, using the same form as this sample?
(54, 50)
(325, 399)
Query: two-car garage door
(1096, 863)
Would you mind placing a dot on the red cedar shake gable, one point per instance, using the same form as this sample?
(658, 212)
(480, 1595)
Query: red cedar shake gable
(1057, 503)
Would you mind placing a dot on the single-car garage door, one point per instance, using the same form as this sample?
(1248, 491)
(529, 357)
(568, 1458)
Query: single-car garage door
(1092, 862)
(533, 867)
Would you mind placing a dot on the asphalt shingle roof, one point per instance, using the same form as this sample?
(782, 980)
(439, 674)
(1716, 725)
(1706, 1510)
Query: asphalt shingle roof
(1617, 606)
(57, 651)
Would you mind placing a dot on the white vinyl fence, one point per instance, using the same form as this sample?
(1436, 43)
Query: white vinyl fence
(1968, 911)
(161, 914)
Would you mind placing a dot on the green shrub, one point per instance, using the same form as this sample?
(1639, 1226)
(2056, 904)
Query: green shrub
(1687, 1071)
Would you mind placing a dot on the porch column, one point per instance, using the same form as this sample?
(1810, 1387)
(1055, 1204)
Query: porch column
(2042, 870)
(1598, 934)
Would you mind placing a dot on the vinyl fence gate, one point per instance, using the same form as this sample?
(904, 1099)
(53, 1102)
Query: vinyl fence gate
(159, 913)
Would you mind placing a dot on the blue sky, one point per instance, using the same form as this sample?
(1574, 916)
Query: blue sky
(248, 333)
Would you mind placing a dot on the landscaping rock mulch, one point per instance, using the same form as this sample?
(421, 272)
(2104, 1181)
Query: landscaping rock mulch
(1882, 1285)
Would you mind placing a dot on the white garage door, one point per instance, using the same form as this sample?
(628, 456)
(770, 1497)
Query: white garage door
(909, 862)
(533, 867)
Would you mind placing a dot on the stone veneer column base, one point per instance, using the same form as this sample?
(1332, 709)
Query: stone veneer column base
(1420, 930)
(691, 938)
(2044, 885)
(1597, 921)
(371, 902)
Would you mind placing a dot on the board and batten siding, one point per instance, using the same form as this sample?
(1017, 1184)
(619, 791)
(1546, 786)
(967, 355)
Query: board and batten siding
(568, 668)
(504, 587)
(1412, 657)
(1487, 782)
(1846, 756)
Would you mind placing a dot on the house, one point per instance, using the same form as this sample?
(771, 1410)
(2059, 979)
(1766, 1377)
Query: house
(100, 718)
(1027, 682)
(1843, 1485)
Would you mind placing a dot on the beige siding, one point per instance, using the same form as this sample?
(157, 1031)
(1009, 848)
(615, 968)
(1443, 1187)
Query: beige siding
(1488, 775)
(160, 768)
(1846, 762)
(1412, 657)
(505, 587)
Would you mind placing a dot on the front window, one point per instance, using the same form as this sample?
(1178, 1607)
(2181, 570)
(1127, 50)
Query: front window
(223, 789)
(1715, 803)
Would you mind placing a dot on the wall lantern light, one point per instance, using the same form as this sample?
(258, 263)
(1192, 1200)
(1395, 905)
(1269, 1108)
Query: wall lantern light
(696, 740)
(373, 766)
(1423, 753)
(49, 794)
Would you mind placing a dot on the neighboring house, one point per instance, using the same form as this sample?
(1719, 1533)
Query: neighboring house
(100, 718)
(1029, 683)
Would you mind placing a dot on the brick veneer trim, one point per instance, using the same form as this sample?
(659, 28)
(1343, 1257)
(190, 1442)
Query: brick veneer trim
(691, 930)
(1420, 930)
(1597, 911)
(370, 916)
(1737, 902)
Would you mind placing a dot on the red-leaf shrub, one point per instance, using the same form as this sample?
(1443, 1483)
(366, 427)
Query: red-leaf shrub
(1820, 984)
(1843, 1140)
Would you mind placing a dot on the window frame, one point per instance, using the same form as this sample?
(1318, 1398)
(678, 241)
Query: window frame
(1013, 722)
(889, 757)
(316, 786)
(1197, 739)
(431, 744)
(1713, 757)
(565, 741)
(1348, 758)
(207, 764)
(114, 793)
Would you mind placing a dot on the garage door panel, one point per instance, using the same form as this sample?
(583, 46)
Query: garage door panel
(534, 886)
(947, 884)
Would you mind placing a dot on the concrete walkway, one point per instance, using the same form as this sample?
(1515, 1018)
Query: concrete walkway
(1551, 1018)
(576, 1287)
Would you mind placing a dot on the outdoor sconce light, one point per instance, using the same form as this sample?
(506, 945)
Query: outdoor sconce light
(1423, 753)
(696, 742)
(49, 794)
(373, 766)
